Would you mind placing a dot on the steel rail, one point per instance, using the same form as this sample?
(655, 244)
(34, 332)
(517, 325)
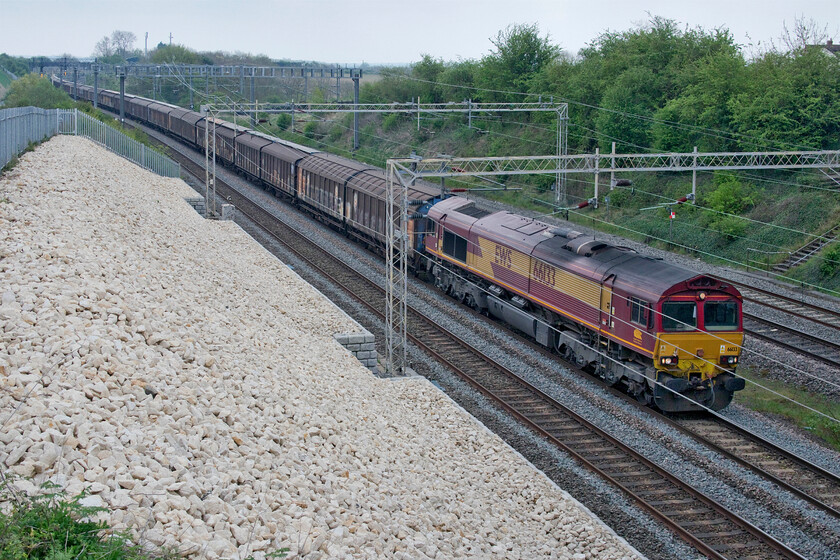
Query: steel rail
(751, 330)
(745, 290)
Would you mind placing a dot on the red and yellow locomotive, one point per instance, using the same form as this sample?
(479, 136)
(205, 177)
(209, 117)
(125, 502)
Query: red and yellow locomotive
(670, 336)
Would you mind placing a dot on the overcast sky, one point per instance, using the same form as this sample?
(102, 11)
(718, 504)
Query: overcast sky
(375, 31)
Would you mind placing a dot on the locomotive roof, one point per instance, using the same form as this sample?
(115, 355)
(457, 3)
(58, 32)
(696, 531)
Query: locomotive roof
(635, 274)
(519, 232)
(454, 205)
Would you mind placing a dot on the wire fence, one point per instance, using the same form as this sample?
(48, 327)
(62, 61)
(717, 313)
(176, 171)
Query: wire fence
(20, 127)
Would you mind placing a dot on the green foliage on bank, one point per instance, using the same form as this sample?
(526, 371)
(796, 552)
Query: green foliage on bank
(5, 79)
(658, 86)
(34, 91)
(15, 64)
(53, 526)
(819, 418)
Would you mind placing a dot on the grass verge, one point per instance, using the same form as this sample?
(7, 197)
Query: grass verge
(825, 429)
(49, 525)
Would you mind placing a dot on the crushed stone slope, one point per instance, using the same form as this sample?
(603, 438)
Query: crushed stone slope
(191, 383)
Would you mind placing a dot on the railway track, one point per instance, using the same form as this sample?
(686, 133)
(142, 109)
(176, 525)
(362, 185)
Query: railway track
(806, 480)
(819, 315)
(800, 477)
(813, 347)
(712, 529)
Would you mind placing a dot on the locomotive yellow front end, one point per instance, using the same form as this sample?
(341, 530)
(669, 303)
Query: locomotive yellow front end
(699, 342)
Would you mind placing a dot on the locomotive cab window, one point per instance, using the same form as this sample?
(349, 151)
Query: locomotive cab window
(455, 246)
(679, 316)
(720, 315)
(640, 311)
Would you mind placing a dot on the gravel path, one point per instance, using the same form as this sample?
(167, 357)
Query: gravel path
(191, 381)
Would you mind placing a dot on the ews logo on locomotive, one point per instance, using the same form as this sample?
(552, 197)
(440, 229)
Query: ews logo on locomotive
(504, 256)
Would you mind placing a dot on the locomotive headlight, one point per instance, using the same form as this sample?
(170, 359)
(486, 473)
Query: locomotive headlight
(669, 360)
(728, 360)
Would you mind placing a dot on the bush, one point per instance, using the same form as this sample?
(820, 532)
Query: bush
(335, 133)
(34, 91)
(831, 261)
(390, 122)
(51, 526)
(310, 130)
(284, 121)
(730, 226)
(731, 196)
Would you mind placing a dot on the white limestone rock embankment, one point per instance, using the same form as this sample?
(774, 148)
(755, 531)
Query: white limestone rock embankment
(192, 383)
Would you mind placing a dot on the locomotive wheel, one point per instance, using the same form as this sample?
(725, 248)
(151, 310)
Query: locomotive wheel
(645, 397)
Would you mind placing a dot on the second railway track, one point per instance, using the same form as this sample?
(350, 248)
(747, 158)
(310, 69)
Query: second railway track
(792, 339)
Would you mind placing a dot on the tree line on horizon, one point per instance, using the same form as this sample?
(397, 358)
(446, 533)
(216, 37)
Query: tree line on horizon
(654, 87)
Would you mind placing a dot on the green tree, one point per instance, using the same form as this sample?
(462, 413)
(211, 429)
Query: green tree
(791, 101)
(457, 80)
(32, 90)
(427, 72)
(15, 64)
(393, 87)
(632, 93)
(701, 116)
(177, 54)
(520, 54)
(633, 74)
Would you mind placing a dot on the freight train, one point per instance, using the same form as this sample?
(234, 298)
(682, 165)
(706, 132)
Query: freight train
(668, 336)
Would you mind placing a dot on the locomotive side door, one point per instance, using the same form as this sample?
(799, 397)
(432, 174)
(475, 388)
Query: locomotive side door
(607, 310)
